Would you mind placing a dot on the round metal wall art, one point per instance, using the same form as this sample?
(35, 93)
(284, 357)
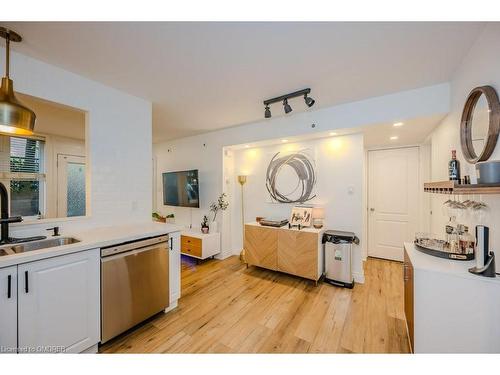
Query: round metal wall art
(304, 169)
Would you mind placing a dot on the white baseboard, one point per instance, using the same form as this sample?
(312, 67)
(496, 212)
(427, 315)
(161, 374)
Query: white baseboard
(170, 307)
(359, 277)
(92, 350)
(222, 256)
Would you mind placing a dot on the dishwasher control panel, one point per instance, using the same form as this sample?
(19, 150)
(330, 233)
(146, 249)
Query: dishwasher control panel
(132, 245)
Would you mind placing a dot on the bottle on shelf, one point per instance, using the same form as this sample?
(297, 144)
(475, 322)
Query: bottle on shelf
(467, 242)
(451, 230)
(454, 167)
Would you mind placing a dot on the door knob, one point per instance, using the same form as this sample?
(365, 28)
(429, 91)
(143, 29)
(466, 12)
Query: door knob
(372, 209)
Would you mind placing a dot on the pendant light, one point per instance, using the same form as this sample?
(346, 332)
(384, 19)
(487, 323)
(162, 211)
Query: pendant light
(15, 118)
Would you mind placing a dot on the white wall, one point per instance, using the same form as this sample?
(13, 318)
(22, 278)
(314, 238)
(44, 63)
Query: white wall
(480, 67)
(205, 152)
(118, 134)
(339, 166)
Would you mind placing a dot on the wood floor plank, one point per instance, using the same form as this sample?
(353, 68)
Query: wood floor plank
(228, 308)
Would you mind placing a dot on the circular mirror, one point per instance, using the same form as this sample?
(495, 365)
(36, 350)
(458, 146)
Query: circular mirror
(480, 124)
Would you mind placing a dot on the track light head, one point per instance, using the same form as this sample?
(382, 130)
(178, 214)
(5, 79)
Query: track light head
(267, 112)
(309, 101)
(286, 106)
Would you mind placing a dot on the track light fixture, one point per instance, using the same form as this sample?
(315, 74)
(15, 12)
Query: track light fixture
(309, 101)
(267, 112)
(286, 106)
(284, 98)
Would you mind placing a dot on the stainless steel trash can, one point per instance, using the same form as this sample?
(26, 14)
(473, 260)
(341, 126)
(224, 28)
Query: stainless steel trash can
(338, 257)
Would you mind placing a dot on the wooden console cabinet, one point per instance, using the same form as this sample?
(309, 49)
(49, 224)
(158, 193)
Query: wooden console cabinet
(291, 251)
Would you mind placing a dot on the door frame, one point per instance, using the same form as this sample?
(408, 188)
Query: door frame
(61, 197)
(424, 172)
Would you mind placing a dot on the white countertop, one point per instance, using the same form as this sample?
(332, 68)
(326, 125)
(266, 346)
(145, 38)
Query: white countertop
(304, 229)
(425, 262)
(93, 238)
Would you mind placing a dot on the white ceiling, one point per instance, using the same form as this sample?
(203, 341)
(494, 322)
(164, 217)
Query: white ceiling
(411, 132)
(205, 76)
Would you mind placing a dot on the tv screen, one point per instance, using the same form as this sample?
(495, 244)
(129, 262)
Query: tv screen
(181, 189)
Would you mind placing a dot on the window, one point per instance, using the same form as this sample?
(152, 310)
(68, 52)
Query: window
(22, 169)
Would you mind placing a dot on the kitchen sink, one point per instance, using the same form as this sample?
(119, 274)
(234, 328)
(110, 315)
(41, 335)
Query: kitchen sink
(36, 245)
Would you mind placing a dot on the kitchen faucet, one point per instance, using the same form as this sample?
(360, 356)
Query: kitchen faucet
(5, 220)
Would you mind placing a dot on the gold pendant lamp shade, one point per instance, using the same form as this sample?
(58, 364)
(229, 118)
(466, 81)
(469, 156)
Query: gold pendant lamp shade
(15, 118)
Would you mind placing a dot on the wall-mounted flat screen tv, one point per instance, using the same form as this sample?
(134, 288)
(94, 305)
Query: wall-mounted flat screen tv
(181, 189)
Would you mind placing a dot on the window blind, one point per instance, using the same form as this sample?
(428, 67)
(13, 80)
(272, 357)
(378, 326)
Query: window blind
(21, 159)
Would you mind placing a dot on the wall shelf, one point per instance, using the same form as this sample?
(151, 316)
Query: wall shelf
(452, 187)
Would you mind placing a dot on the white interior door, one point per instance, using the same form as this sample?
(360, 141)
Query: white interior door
(70, 185)
(393, 199)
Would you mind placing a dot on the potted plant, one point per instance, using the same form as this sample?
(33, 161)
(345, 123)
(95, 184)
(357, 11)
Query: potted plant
(220, 205)
(159, 218)
(163, 219)
(204, 225)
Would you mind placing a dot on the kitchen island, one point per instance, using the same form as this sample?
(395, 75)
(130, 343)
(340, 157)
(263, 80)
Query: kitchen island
(448, 309)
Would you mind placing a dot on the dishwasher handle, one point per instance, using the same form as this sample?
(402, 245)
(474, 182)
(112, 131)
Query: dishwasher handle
(133, 252)
(125, 247)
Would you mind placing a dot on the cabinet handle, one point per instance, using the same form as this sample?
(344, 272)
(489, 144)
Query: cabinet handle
(171, 243)
(9, 286)
(26, 288)
(406, 273)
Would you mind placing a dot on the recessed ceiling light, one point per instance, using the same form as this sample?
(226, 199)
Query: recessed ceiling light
(397, 124)
(284, 140)
(247, 146)
(333, 133)
(394, 137)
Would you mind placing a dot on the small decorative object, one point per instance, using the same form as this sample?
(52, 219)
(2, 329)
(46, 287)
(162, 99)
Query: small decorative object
(294, 169)
(204, 225)
(273, 222)
(157, 217)
(488, 172)
(220, 205)
(318, 214)
(301, 216)
(258, 219)
(163, 219)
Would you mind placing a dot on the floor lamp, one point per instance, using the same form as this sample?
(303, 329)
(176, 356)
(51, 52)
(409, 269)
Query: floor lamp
(242, 179)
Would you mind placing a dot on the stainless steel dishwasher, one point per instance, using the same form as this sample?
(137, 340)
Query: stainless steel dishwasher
(134, 284)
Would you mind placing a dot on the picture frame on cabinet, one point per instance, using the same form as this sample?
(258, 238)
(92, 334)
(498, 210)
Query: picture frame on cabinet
(301, 215)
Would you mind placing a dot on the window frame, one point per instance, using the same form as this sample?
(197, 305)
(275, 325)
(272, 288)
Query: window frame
(41, 176)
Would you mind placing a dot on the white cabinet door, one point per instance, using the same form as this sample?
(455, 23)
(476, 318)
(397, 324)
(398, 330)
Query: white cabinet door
(175, 266)
(8, 310)
(59, 302)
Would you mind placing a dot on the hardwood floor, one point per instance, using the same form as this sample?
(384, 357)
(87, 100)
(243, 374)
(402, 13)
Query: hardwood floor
(227, 308)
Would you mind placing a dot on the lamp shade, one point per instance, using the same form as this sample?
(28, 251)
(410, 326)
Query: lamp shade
(242, 179)
(318, 213)
(15, 118)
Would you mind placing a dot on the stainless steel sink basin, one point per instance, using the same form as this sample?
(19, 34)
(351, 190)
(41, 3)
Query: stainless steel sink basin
(36, 245)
